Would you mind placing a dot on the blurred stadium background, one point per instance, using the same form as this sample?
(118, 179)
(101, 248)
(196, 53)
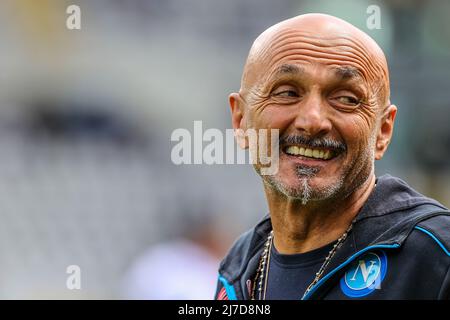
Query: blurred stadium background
(86, 118)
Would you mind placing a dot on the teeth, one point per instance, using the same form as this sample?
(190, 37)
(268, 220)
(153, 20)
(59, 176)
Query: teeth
(311, 153)
(316, 153)
(308, 152)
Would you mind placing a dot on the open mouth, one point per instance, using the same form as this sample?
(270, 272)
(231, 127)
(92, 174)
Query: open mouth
(312, 153)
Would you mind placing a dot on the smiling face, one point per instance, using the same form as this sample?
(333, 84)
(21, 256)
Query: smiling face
(324, 85)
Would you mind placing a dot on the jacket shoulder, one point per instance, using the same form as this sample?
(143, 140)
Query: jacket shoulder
(234, 262)
(230, 265)
(235, 255)
(438, 229)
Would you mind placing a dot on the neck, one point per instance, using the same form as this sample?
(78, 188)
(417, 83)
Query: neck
(301, 228)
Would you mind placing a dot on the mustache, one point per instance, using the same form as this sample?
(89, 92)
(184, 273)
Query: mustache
(325, 143)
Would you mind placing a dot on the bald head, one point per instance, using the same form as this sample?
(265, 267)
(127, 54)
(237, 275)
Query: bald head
(317, 38)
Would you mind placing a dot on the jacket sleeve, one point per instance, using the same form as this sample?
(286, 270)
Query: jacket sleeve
(438, 229)
(444, 293)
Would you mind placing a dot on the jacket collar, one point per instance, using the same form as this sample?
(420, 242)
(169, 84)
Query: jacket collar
(391, 195)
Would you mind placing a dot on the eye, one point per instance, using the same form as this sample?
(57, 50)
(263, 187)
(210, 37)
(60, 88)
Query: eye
(348, 100)
(286, 93)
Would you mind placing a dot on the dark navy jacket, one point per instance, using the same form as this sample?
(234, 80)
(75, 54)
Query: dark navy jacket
(399, 248)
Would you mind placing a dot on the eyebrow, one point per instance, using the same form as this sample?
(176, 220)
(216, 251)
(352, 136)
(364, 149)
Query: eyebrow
(342, 72)
(288, 69)
(347, 72)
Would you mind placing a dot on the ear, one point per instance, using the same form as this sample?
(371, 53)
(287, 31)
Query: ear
(237, 119)
(385, 131)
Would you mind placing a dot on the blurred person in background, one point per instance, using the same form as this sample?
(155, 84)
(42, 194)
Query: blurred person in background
(183, 268)
(335, 230)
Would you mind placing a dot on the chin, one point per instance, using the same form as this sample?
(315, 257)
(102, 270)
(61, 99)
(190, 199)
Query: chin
(305, 188)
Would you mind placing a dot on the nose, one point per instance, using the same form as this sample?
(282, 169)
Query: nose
(312, 117)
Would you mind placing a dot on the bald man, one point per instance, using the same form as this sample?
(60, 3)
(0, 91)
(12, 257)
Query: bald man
(335, 230)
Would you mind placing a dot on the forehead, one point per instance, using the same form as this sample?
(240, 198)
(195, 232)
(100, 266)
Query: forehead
(341, 54)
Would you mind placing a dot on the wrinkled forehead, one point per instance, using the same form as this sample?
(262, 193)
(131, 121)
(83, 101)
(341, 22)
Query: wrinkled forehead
(287, 46)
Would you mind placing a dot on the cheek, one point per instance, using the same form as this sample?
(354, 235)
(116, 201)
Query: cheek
(366, 126)
(268, 115)
(357, 133)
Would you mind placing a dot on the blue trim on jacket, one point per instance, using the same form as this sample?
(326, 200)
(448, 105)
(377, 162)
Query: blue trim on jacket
(228, 288)
(434, 238)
